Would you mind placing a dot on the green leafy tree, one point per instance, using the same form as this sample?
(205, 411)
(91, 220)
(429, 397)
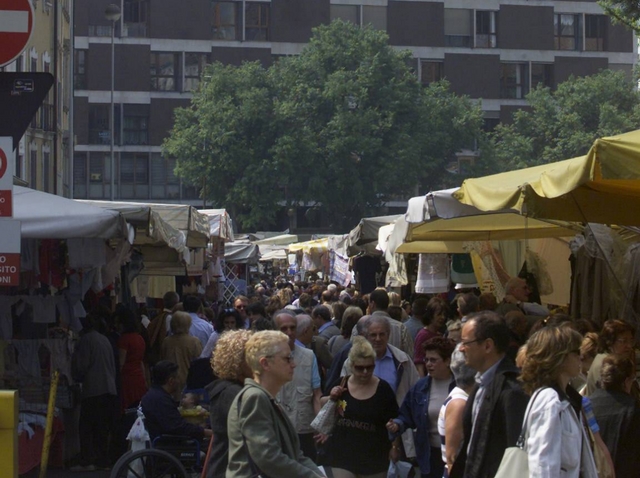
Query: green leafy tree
(626, 12)
(564, 123)
(343, 126)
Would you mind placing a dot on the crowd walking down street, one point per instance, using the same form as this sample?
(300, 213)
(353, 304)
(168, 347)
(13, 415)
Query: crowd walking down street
(445, 405)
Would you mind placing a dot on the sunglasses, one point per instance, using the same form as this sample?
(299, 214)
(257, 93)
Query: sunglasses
(363, 368)
(240, 307)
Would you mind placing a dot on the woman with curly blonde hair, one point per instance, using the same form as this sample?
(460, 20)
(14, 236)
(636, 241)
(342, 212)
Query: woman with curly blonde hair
(555, 441)
(229, 365)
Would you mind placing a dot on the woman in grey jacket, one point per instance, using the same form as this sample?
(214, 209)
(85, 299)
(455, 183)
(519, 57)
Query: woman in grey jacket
(262, 440)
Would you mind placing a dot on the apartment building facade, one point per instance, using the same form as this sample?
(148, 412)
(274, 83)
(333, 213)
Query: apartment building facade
(492, 50)
(43, 156)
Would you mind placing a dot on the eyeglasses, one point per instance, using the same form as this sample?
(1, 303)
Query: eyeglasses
(363, 368)
(468, 342)
(240, 307)
(286, 358)
(432, 359)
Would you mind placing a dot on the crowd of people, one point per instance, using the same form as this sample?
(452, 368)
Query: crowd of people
(443, 383)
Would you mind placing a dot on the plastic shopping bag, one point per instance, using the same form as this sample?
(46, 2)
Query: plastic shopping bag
(399, 469)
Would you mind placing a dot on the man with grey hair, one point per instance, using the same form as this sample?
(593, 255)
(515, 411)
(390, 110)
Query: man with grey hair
(450, 418)
(517, 298)
(391, 365)
(300, 398)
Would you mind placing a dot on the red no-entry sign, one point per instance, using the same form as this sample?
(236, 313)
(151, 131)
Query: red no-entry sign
(16, 26)
(6, 177)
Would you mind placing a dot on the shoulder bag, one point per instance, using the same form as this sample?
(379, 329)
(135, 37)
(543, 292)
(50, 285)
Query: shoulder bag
(515, 461)
(327, 417)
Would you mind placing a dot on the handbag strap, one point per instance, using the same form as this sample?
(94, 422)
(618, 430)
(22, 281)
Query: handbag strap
(523, 432)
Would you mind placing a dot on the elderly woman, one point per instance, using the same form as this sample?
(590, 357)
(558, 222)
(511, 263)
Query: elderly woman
(556, 442)
(422, 404)
(618, 414)
(450, 417)
(616, 337)
(181, 348)
(350, 318)
(360, 446)
(262, 440)
(229, 365)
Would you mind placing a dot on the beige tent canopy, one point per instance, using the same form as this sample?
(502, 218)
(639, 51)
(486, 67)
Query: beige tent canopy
(601, 187)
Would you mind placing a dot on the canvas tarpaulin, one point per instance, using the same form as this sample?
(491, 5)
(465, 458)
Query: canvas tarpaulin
(47, 216)
(163, 220)
(602, 186)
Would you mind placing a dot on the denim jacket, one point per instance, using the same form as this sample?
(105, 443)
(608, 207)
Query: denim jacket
(414, 414)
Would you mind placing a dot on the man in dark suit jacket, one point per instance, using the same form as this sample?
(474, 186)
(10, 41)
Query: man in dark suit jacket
(495, 409)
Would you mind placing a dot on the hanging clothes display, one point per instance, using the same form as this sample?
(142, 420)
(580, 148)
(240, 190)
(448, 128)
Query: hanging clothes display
(433, 274)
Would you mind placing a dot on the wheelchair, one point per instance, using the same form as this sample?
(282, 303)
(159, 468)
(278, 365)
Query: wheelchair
(168, 456)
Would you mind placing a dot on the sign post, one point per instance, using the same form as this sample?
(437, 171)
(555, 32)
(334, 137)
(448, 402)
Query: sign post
(16, 27)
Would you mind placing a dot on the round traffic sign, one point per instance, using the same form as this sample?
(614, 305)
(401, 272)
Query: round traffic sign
(16, 27)
(3, 163)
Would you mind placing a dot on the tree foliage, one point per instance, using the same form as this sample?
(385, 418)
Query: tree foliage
(564, 123)
(344, 125)
(626, 12)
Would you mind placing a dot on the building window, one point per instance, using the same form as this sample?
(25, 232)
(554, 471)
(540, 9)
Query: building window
(361, 15)
(431, 71)
(347, 13)
(134, 168)
(374, 16)
(513, 80)
(489, 124)
(594, 32)
(100, 30)
(80, 69)
(135, 17)
(458, 27)
(567, 29)
(33, 168)
(80, 176)
(194, 64)
(256, 21)
(486, 32)
(541, 74)
(98, 173)
(99, 124)
(135, 125)
(46, 159)
(164, 71)
(164, 183)
(225, 21)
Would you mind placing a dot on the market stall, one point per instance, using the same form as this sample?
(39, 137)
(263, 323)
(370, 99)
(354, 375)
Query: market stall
(68, 250)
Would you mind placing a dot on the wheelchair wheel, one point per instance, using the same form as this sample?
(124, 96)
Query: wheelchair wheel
(149, 463)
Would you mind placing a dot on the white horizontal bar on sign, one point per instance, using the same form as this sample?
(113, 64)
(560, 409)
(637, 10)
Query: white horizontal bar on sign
(14, 21)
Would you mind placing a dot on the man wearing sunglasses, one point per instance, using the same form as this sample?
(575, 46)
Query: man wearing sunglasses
(240, 304)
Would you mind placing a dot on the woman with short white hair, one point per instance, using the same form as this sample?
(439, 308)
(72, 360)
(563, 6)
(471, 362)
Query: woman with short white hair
(262, 440)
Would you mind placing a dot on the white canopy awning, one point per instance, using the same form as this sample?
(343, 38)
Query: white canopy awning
(47, 216)
(162, 220)
(220, 223)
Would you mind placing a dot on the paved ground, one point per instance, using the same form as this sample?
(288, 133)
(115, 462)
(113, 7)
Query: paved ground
(67, 474)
